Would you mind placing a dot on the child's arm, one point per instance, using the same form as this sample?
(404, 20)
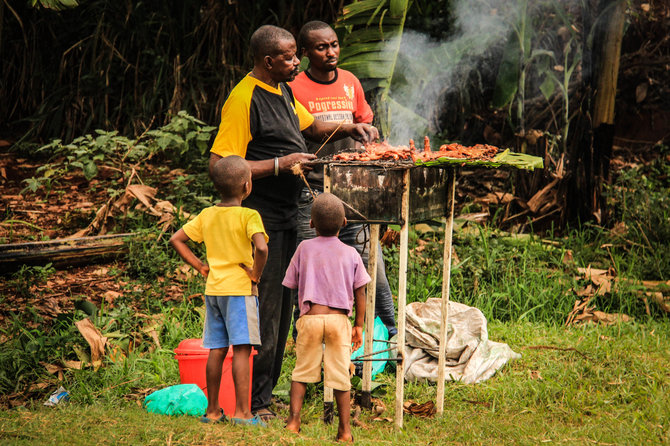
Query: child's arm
(359, 305)
(178, 242)
(260, 257)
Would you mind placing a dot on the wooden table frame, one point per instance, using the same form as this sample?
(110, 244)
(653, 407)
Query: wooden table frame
(402, 297)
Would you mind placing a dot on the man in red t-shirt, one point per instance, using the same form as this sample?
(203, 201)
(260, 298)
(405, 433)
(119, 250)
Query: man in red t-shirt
(335, 95)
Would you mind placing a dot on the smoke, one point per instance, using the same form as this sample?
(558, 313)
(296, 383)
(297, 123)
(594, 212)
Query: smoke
(427, 69)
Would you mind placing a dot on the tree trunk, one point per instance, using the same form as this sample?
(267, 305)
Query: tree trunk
(593, 137)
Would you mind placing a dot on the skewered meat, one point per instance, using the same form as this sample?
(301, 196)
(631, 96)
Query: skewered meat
(384, 151)
(376, 151)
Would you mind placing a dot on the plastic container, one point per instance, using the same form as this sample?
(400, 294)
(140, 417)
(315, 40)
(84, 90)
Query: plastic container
(192, 358)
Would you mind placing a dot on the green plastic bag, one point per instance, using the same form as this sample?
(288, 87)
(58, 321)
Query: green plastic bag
(182, 399)
(379, 332)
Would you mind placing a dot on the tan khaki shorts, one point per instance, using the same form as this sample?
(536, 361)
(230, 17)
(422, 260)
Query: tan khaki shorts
(314, 330)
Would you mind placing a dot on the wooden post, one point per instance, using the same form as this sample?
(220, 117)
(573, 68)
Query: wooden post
(366, 385)
(328, 409)
(402, 300)
(446, 278)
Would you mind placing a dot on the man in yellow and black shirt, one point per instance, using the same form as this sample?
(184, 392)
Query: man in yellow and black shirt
(262, 122)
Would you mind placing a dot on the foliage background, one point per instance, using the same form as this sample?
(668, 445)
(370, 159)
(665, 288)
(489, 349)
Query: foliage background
(120, 65)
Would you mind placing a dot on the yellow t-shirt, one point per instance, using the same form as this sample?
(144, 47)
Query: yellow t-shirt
(227, 232)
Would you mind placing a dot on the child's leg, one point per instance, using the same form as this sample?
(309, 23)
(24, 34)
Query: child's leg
(336, 361)
(213, 378)
(295, 406)
(342, 398)
(241, 380)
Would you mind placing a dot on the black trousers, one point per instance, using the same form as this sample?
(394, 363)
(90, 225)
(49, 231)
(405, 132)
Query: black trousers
(275, 307)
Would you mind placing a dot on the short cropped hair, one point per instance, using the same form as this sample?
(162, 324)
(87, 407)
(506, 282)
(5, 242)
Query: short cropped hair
(303, 36)
(327, 214)
(265, 41)
(229, 175)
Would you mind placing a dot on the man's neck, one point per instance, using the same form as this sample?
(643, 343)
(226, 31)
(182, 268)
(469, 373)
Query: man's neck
(264, 77)
(322, 76)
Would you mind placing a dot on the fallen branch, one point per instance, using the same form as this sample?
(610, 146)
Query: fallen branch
(64, 252)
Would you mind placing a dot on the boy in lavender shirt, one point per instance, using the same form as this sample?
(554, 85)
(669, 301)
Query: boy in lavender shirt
(330, 277)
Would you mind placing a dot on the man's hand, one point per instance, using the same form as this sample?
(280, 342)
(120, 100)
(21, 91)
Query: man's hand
(320, 131)
(364, 133)
(357, 337)
(204, 270)
(288, 161)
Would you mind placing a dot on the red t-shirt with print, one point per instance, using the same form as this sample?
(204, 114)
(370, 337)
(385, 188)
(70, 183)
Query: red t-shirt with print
(341, 99)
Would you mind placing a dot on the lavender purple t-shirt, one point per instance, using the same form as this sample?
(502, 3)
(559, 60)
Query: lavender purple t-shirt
(326, 271)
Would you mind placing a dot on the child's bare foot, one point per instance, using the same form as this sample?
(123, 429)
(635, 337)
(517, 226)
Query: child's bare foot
(213, 417)
(293, 424)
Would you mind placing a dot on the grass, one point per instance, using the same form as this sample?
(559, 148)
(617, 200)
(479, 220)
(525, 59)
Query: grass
(512, 277)
(612, 389)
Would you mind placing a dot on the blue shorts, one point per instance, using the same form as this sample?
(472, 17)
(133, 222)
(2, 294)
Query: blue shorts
(231, 320)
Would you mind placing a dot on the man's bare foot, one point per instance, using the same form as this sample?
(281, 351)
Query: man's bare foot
(344, 437)
(293, 424)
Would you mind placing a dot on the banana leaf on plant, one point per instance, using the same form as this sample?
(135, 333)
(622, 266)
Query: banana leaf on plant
(370, 32)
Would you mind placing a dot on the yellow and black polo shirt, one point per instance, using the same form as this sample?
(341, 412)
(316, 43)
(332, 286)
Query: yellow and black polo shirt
(259, 122)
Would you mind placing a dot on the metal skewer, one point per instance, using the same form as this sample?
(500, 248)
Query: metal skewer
(331, 135)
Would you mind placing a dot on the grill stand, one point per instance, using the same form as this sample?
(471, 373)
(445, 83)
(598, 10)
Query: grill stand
(402, 299)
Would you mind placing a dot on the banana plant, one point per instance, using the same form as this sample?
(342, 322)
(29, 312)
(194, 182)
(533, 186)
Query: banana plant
(371, 32)
(57, 5)
(554, 81)
(520, 57)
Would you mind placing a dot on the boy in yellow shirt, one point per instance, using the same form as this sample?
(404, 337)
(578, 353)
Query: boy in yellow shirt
(236, 245)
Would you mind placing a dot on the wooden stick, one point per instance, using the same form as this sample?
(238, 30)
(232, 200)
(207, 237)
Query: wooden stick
(331, 135)
(371, 291)
(327, 391)
(328, 407)
(402, 299)
(367, 355)
(446, 278)
(300, 173)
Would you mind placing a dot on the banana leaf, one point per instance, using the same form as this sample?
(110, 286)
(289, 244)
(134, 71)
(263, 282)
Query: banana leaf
(380, 35)
(372, 31)
(365, 48)
(505, 158)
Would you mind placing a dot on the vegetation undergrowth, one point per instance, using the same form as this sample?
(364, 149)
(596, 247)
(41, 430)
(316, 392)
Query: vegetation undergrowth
(536, 277)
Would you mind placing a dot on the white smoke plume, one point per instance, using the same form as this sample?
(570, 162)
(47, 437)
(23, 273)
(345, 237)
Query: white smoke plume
(431, 68)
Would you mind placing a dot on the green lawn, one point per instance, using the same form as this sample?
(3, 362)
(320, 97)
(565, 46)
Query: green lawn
(587, 385)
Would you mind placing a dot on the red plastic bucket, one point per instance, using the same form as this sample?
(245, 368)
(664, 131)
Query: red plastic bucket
(192, 358)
